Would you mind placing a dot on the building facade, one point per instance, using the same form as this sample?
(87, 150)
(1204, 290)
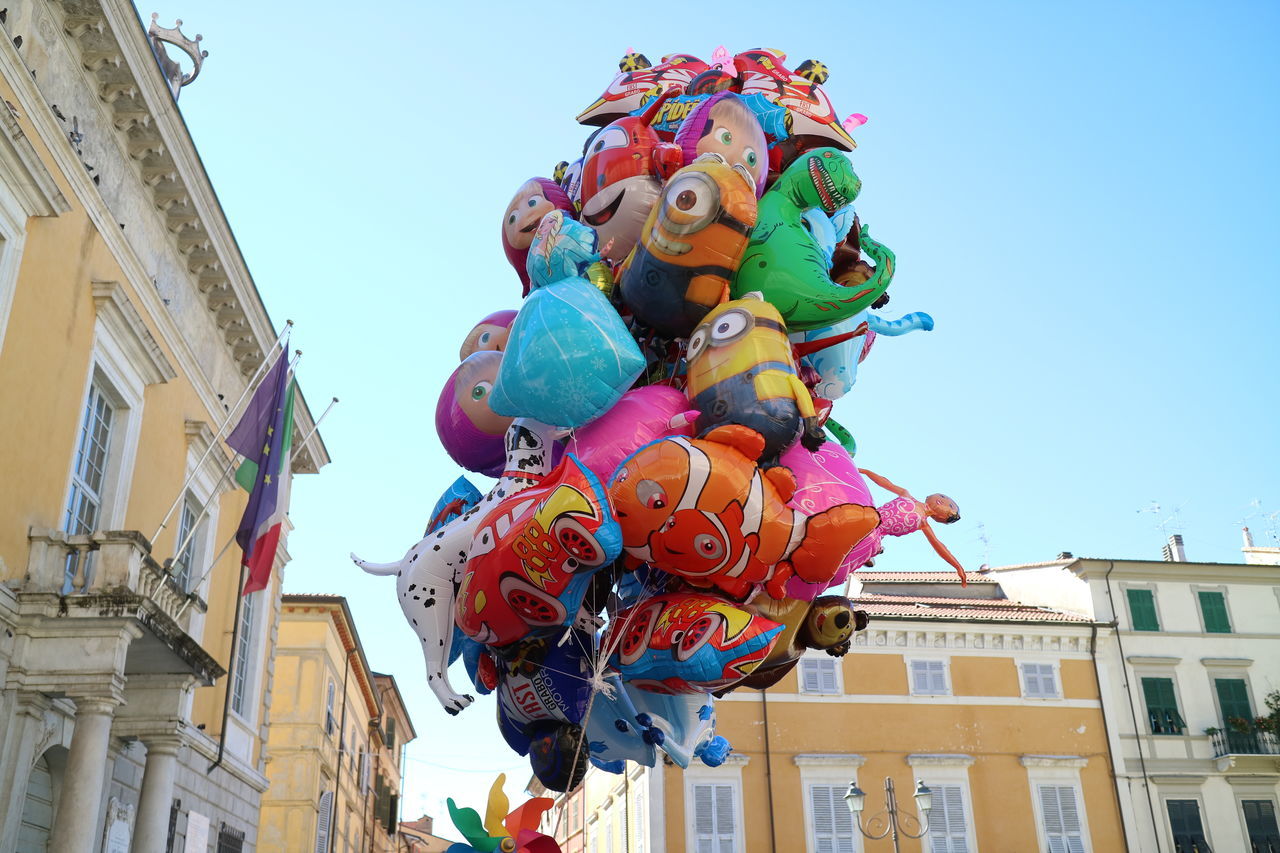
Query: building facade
(335, 743)
(1196, 655)
(128, 325)
(991, 703)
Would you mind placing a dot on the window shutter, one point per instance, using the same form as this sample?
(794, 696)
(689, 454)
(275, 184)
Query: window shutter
(365, 765)
(810, 673)
(929, 677)
(937, 677)
(391, 732)
(703, 819)
(823, 820)
(1184, 821)
(946, 821)
(1213, 606)
(726, 820)
(1260, 819)
(1031, 680)
(322, 822)
(1142, 610)
(1061, 819)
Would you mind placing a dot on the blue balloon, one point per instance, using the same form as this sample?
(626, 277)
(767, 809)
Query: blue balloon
(456, 500)
(550, 684)
(634, 725)
(837, 365)
(569, 358)
(562, 248)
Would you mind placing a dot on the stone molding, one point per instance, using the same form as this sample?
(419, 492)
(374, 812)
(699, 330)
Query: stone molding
(127, 328)
(96, 705)
(1076, 761)
(1016, 638)
(828, 759)
(736, 759)
(1153, 660)
(1189, 779)
(25, 174)
(940, 760)
(1224, 662)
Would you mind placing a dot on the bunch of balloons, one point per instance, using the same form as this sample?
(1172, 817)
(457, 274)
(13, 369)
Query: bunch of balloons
(669, 511)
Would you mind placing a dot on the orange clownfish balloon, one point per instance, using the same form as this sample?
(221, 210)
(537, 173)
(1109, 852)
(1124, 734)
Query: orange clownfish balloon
(690, 246)
(703, 510)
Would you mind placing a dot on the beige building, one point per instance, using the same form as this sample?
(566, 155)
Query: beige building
(128, 323)
(336, 737)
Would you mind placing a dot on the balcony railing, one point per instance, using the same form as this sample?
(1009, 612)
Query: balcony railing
(1245, 743)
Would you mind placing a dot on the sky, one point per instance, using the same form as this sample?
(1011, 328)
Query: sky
(1082, 195)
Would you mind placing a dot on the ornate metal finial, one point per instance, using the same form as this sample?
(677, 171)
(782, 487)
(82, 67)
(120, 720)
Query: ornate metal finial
(159, 36)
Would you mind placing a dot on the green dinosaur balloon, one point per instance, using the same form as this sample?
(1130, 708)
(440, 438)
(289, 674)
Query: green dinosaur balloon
(785, 263)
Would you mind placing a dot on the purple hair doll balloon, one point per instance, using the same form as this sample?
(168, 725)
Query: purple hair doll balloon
(723, 124)
(535, 199)
(472, 434)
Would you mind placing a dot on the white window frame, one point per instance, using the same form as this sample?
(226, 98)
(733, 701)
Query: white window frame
(729, 773)
(1158, 667)
(1055, 664)
(838, 769)
(1062, 771)
(1192, 792)
(1251, 790)
(1155, 602)
(946, 675)
(948, 769)
(820, 659)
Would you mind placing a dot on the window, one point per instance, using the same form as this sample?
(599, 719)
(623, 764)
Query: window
(1039, 681)
(833, 830)
(244, 644)
(608, 833)
(89, 472)
(818, 675)
(1213, 608)
(1237, 714)
(714, 818)
(323, 819)
(1162, 706)
(1184, 823)
(929, 678)
(230, 840)
(1260, 821)
(641, 828)
(1142, 610)
(391, 733)
(365, 770)
(185, 568)
(1061, 816)
(947, 824)
(329, 722)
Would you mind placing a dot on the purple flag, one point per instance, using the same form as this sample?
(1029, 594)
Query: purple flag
(259, 437)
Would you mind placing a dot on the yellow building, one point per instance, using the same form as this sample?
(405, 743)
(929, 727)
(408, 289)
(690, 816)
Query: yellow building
(993, 704)
(336, 733)
(129, 323)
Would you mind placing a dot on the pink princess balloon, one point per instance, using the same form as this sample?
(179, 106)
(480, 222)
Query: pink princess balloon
(641, 416)
(824, 479)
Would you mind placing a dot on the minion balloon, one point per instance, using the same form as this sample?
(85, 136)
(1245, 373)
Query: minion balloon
(742, 371)
(690, 246)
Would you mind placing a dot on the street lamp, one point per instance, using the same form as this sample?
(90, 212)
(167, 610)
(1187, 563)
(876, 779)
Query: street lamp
(886, 822)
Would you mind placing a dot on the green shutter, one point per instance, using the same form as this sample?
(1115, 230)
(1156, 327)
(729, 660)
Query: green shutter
(1162, 706)
(1142, 610)
(1213, 606)
(1233, 698)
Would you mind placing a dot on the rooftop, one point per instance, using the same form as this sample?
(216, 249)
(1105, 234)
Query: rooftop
(923, 577)
(968, 609)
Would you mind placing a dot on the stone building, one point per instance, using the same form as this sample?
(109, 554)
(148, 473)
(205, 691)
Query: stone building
(336, 737)
(129, 324)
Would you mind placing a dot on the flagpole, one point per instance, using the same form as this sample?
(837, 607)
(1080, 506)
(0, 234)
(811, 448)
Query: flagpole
(292, 453)
(262, 368)
(214, 495)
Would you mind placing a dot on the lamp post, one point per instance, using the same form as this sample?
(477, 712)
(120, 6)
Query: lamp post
(888, 819)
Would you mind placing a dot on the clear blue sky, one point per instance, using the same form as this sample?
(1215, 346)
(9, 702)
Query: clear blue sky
(1084, 196)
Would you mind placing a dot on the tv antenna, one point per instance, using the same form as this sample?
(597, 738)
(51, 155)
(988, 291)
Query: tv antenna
(1166, 523)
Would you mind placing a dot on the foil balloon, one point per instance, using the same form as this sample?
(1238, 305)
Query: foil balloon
(427, 576)
(457, 499)
(630, 724)
(701, 509)
(561, 249)
(636, 79)
(532, 556)
(622, 173)
(641, 416)
(825, 478)
(569, 359)
(468, 427)
(688, 642)
(811, 113)
(787, 265)
(836, 367)
(489, 334)
(828, 624)
(741, 371)
(690, 247)
(535, 199)
(725, 124)
(546, 683)
(568, 177)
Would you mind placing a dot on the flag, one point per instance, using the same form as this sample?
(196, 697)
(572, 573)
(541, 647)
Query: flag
(268, 533)
(260, 437)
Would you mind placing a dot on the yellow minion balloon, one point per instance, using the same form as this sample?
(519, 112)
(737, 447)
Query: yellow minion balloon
(742, 371)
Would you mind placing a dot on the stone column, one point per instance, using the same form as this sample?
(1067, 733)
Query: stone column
(151, 828)
(76, 824)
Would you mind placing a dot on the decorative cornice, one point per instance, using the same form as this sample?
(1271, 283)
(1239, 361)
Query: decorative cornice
(736, 759)
(1223, 662)
(126, 326)
(1049, 637)
(1153, 660)
(25, 173)
(828, 759)
(1195, 779)
(1076, 761)
(940, 760)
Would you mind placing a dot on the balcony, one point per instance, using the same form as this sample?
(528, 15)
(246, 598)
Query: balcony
(1245, 743)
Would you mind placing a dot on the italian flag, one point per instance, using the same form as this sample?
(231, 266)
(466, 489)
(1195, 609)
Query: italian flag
(261, 558)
